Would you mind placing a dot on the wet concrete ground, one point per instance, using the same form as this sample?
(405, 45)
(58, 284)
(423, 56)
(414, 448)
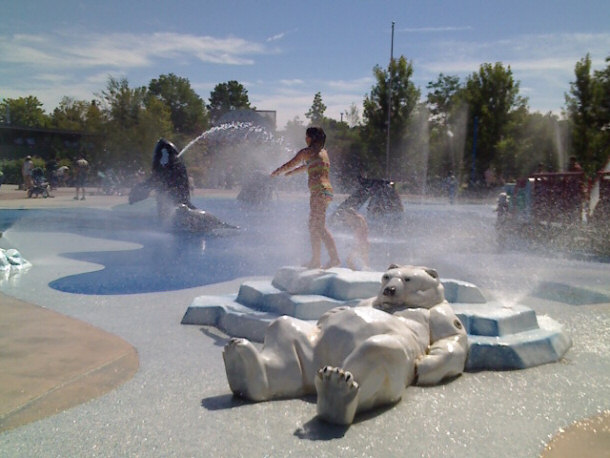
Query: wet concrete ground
(178, 402)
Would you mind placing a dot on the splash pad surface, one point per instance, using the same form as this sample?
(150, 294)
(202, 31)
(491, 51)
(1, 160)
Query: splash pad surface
(179, 403)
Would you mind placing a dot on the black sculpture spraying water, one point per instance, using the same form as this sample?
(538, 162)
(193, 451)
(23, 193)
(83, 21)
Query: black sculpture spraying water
(169, 180)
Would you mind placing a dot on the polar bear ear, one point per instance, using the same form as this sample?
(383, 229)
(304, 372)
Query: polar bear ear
(433, 273)
(393, 266)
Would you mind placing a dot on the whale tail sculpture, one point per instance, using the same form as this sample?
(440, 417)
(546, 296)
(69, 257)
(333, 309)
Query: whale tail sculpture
(169, 179)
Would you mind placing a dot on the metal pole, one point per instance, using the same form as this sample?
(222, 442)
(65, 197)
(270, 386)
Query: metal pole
(387, 146)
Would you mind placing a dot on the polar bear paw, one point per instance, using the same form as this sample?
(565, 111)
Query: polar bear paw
(337, 395)
(245, 370)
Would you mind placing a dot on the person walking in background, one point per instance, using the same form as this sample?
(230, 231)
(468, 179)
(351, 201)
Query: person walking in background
(314, 159)
(26, 172)
(81, 168)
(452, 185)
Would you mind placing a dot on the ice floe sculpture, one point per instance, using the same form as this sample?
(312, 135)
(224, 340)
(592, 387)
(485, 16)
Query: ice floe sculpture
(329, 332)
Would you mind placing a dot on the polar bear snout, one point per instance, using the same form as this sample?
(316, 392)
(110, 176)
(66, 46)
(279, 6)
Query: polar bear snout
(389, 291)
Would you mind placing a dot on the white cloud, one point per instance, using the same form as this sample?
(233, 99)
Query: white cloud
(545, 52)
(124, 50)
(279, 36)
(292, 82)
(359, 84)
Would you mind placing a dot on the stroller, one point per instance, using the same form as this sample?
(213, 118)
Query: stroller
(40, 186)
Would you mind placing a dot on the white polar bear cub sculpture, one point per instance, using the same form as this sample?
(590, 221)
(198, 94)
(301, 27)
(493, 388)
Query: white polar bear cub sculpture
(356, 358)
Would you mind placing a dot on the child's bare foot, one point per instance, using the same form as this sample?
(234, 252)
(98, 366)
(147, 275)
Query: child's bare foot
(332, 263)
(312, 265)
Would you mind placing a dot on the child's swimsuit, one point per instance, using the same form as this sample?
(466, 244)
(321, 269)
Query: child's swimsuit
(319, 168)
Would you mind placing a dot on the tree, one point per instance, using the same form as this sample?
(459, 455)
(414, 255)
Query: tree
(441, 98)
(495, 108)
(446, 127)
(134, 122)
(316, 112)
(581, 109)
(23, 112)
(187, 109)
(226, 97)
(588, 106)
(71, 114)
(404, 100)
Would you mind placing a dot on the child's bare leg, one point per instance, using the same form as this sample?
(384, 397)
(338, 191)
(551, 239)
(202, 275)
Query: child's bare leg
(316, 222)
(329, 243)
(316, 249)
(319, 203)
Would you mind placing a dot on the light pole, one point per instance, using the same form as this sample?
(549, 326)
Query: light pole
(387, 146)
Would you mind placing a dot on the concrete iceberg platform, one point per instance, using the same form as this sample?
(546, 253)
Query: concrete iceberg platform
(501, 337)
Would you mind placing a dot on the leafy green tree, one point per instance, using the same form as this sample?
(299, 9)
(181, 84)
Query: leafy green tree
(187, 108)
(134, 121)
(375, 113)
(23, 112)
(122, 104)
(71, 114)
(588, 108)
(94, 118)
(316, 112)
(226, 97)
(81, 116)
(441, 98)
(496, 107)
(602, 121)
(446, 132)
(538, 146)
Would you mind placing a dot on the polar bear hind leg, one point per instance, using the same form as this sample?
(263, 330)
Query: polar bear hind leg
(337, 395)
(374, 374)
(382, 368)
(245, 370)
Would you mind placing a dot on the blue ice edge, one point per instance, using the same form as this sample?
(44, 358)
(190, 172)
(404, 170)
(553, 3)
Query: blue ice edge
(501, 337)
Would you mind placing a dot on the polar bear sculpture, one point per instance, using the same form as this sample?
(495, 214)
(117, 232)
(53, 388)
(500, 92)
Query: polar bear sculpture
(356, 358)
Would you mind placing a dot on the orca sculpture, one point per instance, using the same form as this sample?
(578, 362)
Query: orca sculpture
(169, 180)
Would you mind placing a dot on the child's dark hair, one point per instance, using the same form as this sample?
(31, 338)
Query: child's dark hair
(317, 135)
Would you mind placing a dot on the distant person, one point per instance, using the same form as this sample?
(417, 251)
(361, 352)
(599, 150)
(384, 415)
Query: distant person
(81, 169)
(26, 172)
(452, 185)
(358, 258)
(62, 175)
(314, 160)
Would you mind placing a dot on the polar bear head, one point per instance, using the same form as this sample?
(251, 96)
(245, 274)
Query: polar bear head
(409, 287)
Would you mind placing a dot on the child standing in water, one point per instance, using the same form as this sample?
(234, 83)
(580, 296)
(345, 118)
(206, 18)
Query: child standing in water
(315, 160)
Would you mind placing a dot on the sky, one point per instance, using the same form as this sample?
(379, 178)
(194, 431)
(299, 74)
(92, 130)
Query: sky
(284, 52)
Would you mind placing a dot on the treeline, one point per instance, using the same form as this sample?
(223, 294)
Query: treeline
(479, 128)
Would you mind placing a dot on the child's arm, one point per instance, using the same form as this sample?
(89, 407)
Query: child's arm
(297, 159)
(297, 170)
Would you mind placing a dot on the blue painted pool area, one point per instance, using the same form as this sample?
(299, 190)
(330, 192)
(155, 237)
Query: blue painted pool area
(268, 238)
